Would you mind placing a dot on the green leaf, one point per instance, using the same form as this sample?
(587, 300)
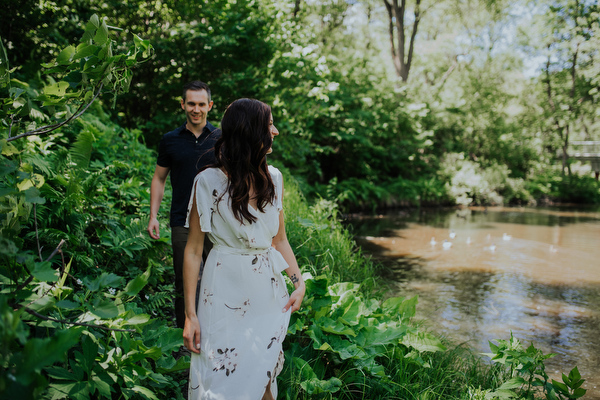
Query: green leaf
(105, 309)
(59, 391)
(101, 34)
(146, 393)
(39, 353)
(561, 387)
(513, 383)
(328, 325)
(103, 387)
(57, 89)
(90, 351)
(80, 391)
(138, 319)
(59, 373)
(65, 56)
(44, 272)
(67, 304)
(574, 375)
(311, 383)
(32, 195)
(422, 341)
(170, 340)
(85, 50)
(381, 334)
(134, 286)
(95, 21)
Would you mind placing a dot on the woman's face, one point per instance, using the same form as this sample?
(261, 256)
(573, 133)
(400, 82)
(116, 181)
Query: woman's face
(273, 131)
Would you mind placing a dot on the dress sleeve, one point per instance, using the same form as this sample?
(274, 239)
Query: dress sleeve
(204, 203)
(277, 178)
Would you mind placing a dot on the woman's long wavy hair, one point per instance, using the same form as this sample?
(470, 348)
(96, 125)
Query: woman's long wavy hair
(241, 152)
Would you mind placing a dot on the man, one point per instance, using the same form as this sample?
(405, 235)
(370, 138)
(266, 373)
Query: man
(182, 152)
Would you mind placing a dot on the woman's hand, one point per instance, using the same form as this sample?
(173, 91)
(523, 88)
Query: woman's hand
(296, 298)
(191, 334)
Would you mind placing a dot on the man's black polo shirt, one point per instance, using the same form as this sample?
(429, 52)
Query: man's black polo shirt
(185, 155)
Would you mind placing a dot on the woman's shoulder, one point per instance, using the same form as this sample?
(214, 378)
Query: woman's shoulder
(210, 175)
(275, 173)
(210, 172)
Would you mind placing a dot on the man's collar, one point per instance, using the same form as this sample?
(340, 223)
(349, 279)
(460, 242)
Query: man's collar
(208, 127)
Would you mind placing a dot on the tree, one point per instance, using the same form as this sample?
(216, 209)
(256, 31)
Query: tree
(398, 29)
(569, 84)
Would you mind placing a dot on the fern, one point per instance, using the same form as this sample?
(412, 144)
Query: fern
(158, 301)
(81, 151)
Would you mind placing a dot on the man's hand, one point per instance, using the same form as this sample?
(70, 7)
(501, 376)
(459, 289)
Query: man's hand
(154, 228)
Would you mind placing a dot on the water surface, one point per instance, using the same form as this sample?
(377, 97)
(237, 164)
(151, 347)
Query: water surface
(535, 272)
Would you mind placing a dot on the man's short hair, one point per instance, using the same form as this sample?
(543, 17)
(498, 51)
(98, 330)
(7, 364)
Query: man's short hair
(196, 85)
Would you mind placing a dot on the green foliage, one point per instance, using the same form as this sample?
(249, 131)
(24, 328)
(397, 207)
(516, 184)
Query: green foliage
(550, 185)
(528, 373)
(338, 331)
(69, 84)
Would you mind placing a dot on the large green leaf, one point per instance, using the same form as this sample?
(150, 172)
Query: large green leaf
(105, 309)
(44, 272)
(422, 341)
(134, 286)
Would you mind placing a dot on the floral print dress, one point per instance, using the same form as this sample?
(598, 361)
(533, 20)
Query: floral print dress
(242, 294)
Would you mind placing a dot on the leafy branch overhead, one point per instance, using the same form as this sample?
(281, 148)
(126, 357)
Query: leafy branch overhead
(70, 84)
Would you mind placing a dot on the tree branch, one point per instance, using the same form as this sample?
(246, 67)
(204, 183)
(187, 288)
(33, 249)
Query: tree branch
(50, 128)
(37, 236)
(63, 321)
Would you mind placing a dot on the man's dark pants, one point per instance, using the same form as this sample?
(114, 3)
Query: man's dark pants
(179, 236)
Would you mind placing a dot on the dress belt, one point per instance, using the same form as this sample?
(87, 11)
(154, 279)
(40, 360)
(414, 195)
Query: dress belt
(276, 260)
(240, 252)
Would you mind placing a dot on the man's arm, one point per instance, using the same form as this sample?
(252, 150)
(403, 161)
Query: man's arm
(157, 191)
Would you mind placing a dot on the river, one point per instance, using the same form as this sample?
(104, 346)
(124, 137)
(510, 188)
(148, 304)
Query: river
(481, 273)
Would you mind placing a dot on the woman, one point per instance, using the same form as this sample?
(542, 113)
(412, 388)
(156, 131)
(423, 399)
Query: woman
(244, 308)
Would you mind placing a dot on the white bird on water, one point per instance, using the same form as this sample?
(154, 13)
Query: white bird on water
(493, 247)
(452, 235)
(469, 240)
(506, 236)
(432, 241)
(446, 245)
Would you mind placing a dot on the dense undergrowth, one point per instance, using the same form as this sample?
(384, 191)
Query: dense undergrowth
(91, 317)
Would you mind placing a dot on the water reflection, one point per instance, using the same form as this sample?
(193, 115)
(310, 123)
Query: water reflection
(530, 271)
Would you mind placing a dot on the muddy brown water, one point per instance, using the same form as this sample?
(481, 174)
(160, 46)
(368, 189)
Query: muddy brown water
(533, 272)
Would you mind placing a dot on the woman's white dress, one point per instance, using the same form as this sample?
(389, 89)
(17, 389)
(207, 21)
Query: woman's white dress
(242, 294)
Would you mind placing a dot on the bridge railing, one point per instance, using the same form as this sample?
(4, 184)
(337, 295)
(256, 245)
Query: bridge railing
(584, 150)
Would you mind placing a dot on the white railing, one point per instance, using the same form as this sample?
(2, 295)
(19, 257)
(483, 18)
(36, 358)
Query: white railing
(584, 150)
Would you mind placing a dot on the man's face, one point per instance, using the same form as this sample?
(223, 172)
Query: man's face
(196, 107)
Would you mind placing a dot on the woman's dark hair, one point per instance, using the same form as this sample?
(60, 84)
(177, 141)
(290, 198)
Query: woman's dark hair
(241, 152)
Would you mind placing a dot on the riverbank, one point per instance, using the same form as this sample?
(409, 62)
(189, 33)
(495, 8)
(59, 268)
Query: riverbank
(530, 271)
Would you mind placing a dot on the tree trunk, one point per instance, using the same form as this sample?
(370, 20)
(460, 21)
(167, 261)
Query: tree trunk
(397, 34)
